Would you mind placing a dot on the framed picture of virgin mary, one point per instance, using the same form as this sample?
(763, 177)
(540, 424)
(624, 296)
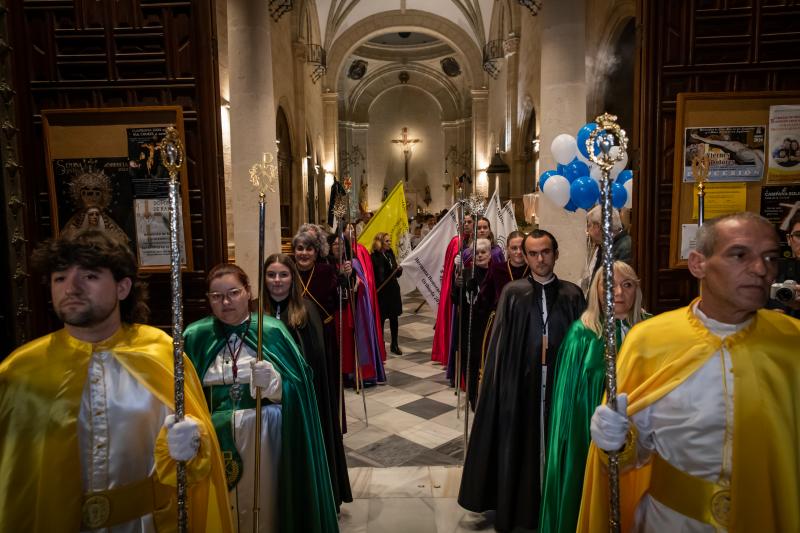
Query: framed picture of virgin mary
(105, 173)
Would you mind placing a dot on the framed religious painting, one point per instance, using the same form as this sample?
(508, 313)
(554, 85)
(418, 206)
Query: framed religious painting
(105, 171)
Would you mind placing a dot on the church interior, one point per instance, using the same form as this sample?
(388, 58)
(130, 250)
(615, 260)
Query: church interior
(369, 93)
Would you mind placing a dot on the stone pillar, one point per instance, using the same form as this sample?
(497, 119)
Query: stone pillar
(252, 126)
(563, 110)
(480, 126)
(360, 138)
(300, 189)
(511, 185)
(330, 157)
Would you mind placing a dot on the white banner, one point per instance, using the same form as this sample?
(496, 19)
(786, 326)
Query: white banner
(423, 268)
(501, 219)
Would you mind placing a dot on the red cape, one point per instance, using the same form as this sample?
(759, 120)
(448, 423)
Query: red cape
(440, 352)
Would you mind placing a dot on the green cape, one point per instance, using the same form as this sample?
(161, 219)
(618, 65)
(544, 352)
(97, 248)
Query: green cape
(306, 497)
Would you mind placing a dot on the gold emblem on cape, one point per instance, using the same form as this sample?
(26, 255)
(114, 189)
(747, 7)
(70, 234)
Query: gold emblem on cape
(721, 506)
(95, 511)
(232, 469)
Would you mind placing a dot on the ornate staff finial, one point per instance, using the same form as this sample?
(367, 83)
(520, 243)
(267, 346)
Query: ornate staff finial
(701, 166)
(263, 174)
(476, 205)
(610, 135)
(171, 148)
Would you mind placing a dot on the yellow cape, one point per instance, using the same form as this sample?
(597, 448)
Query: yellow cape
(662, 352)
(40, 393)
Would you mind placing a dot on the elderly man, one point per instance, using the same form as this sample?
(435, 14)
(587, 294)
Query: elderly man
(709, 438)
(88, 438)
(502, 469)
(790, 270)
(621, 248)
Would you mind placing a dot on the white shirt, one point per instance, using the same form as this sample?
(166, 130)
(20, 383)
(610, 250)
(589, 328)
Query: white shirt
(692, 429)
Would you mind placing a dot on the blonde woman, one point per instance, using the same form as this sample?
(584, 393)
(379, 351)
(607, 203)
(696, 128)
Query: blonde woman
(578, 390)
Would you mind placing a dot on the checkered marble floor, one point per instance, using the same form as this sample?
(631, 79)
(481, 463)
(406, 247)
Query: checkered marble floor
(412, 419)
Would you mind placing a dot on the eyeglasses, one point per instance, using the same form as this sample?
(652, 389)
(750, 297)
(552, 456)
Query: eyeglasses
(230, 294)
(626, 285)
(794, 235)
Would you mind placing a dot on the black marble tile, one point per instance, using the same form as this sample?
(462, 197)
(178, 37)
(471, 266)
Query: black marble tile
(354, 459)
(398, 378)
(392, 450)
(426, 408)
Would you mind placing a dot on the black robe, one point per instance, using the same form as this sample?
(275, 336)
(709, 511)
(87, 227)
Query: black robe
(471, 345)
(389, 300)
(501, 469)
(310, 340)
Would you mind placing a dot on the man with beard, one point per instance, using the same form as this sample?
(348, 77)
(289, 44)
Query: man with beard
(502, 469)
(89, 441)
(708, 441)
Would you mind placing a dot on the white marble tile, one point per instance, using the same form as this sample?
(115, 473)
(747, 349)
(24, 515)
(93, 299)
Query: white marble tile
(354, 516)
(450, 420)
(395, 421)
(423, 371)
(364, 437)
(360, 479)
(395, 397)
(400, 482)
(445, 481)
(429, 434)
(355, 410)
(425, 387)
(397, 363)
(447, 396)
(401, 515)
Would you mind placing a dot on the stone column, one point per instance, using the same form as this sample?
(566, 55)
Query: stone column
(563, 110)
(511, 185)
(330, 157)
(480, 126)
(252, 126)
(300, 189)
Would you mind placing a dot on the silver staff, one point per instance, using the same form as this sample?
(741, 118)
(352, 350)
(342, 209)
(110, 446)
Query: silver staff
(459, 276)
(609, 135)
(262, 176)
(476, 207)
(172, 156)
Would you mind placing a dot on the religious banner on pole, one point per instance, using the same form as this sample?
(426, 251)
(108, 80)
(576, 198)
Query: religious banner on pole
(501, 219)
(424, 267)
(391, 218)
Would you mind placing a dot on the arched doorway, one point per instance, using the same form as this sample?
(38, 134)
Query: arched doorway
(618, 85)
(284, 172)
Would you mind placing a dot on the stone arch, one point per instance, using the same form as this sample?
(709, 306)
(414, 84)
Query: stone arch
(410, 20)
(504, 20)
(305, 23)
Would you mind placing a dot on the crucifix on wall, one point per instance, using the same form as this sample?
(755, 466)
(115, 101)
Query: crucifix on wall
(406, 144)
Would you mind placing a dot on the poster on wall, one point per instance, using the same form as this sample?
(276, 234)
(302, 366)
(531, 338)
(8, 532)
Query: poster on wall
(736, 152)
(784, 144)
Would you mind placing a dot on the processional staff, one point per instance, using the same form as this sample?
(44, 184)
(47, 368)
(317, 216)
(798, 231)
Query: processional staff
(173, 156)
(701, 165)
(263, 175)
(460, 277)
(608, 135)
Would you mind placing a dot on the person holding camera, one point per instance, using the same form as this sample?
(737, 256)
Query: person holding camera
(785, 292)
(706, 419)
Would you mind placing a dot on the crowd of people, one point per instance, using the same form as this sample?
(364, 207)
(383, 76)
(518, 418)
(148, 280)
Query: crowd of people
(93, 403)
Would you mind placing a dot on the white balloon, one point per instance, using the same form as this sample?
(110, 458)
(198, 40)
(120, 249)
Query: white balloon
(556, 188)
(595, 173)
(620, 165)
(564, 148)
(580, 157)
(629, 189)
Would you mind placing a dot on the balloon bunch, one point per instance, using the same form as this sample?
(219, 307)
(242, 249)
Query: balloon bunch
(575, 183)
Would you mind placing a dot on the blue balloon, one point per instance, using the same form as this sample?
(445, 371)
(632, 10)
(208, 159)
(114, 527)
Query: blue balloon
(575, 169)
(584, 192)
(545, 175)
(571, 207)
(619, 196)
(561, 170)
(625, 175)
(583, 136)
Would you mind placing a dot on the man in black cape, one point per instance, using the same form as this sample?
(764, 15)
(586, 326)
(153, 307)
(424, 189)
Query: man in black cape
(502, 466)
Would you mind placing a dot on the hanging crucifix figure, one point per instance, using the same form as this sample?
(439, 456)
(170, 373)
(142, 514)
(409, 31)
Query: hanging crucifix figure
(407, 143)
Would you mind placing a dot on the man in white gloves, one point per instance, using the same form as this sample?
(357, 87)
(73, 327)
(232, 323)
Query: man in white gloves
(88, 438)
(708, 428)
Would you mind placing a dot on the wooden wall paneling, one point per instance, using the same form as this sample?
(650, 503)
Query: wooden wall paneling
(696, 46)
(85, 53)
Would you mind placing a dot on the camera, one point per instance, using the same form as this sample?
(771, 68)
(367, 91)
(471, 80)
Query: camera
(783, 292)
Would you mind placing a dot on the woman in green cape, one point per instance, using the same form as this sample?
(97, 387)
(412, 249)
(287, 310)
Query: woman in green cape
(295, 488)
(578, 390)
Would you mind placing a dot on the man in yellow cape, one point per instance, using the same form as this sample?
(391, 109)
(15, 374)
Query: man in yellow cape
(712, 391)
(87, 437)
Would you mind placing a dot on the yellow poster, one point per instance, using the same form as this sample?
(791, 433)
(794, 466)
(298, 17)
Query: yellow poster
(391, 218)
(721, 199)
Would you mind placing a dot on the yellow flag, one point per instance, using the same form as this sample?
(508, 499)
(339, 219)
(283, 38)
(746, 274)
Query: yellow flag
(391, 218)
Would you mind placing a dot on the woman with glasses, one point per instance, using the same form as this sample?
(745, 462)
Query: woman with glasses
(285, 302)
(578, 390)
(295, 486)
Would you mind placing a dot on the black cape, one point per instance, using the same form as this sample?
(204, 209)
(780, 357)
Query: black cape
(309, 338)
(501, 469)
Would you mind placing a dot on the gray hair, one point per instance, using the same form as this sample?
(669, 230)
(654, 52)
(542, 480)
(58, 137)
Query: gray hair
(595, 215)
(308, 239)
(708, 233)
(483, 244)
(319, 234)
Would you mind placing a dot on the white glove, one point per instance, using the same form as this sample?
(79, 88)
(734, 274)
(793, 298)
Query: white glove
(458, 260)
(260, 374)
(183, 438)
(609, 428)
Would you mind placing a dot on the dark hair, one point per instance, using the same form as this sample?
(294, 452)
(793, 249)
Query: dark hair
(795, 220)
(223, 269)
(707, 234)
(95, 249)
(297, 310)
(538, 234)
